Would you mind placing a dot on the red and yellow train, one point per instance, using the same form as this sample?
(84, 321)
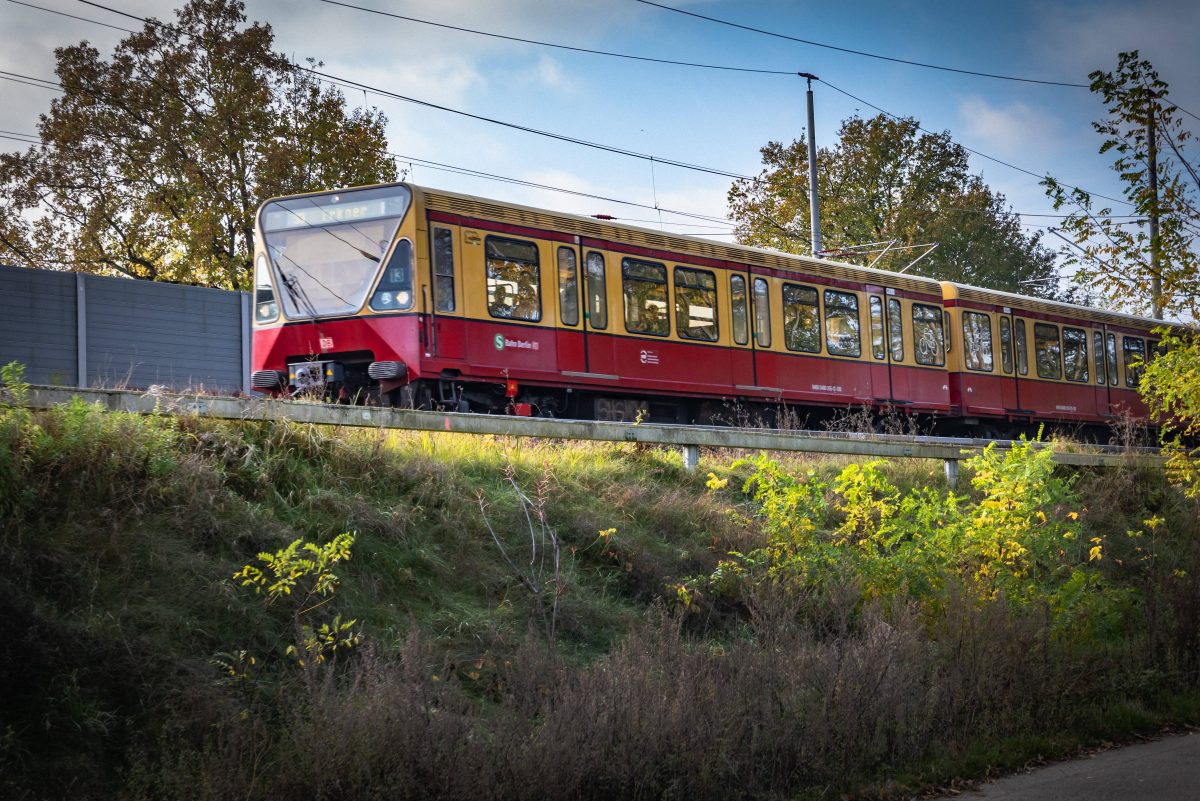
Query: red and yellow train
(418, 297)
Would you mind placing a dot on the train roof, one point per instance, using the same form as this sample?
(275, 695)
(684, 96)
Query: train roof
(952, 290)
(515, 214)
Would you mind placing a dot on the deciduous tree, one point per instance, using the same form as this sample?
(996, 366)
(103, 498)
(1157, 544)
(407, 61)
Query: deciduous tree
(886, 180)
(153, 161)
(1114, 249)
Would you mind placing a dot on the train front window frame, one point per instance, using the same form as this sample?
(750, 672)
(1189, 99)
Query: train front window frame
(597, 291)
(801, 318)
(1047, 351)
(761, 303)
(977, 342)
(895, 325)
(696, 296)
(843, 328)
(929, 338)
(1075, 355)
(442, 246)
(1133, 350)
(739, 310)
(327, 250)
(514, 280)
(568, 287)
(644, 294)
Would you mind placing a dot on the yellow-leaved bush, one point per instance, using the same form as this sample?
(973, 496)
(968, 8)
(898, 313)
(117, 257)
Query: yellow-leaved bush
(1018, 537)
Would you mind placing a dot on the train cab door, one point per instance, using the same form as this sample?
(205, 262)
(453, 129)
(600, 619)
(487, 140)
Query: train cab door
(881, 363)
(445, 332)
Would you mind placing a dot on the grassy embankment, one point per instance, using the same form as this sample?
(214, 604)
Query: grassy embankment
(866, 638)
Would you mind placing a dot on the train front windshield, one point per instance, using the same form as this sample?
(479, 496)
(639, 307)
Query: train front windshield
(326, 250)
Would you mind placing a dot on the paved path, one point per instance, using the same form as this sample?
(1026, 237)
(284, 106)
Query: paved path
(1163, 770)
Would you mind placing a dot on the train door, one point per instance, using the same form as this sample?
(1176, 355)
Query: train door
(446, 331)
(1010, 388)
(899, 378)
(742, 354)
(1106, 404)
(570, 333)
(597, 327)
(881, 363)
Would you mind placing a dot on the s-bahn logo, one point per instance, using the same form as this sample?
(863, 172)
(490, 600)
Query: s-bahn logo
(501, 342)
(648, 357)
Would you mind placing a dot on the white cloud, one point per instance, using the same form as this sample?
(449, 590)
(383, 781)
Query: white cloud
(1012, 129)
(549, 73)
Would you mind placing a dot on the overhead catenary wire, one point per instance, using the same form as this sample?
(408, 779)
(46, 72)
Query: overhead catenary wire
(72, 16)
(336, 80)
(608, 148)
(1001, 162)
(864, 53)
(557, 46)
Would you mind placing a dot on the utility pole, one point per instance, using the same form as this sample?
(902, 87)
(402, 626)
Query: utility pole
(1152, 157)
(814, 211)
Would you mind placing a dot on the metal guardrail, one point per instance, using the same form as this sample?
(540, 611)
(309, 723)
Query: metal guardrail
(689, 438)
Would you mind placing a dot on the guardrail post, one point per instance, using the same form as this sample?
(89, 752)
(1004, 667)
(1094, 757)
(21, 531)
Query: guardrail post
(951, 466)
(691, 457)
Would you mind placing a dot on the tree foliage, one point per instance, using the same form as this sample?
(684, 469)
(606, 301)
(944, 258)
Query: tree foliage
(1170, 384)
(886, 180)
(1112, 252)
(153, 161)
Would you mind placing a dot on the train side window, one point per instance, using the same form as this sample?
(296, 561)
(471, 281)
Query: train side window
(644, 285)
(568, 287)
(842, 326)
(928, 335)
(1006, 356)
(762, 313)
(597, 293)
(1022, 345)
(877, 345)
(443, 270)
(1135, 354)
(513, 279)
(1098, 352)
(801, 319)
(896, 329)
(1047, 350)
(1110, 356)
(696, 304)
(1075, 355)
(977, 341)
(739, 308)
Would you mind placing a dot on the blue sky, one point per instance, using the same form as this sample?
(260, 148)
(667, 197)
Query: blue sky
(705, 117)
